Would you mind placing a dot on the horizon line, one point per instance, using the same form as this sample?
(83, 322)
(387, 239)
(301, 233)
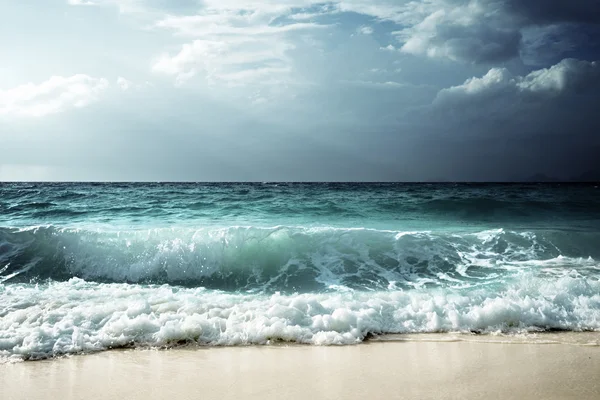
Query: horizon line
(302, 182)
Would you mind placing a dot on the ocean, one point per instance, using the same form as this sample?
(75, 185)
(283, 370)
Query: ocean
(86, 267)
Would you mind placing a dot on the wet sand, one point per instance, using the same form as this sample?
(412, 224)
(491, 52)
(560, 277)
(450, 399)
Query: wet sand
(416, 369)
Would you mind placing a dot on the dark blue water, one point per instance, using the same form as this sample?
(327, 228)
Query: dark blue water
(393, 206)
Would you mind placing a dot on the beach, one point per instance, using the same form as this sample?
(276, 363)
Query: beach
(299, 291)
(415, 369)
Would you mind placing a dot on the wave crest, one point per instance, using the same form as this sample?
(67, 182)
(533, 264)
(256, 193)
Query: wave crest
(282, 258)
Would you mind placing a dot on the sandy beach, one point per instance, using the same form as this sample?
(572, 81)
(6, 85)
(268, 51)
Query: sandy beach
(415, 369)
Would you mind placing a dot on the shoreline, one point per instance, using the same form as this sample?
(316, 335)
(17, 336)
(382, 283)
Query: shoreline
(426, 366)
(574, 338)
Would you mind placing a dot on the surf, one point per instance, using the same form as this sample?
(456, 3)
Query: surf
(75, 316)
(284, 258)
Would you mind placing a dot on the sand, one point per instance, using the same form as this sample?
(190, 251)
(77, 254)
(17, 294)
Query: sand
(373, 370)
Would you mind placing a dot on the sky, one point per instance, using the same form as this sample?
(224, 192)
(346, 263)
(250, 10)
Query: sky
(299, 90)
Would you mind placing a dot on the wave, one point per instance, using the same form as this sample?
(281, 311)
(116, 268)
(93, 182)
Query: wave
(288, 259)
(47, 320)
(67, 290)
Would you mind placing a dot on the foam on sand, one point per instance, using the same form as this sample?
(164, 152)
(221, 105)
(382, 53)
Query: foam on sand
(40, 321)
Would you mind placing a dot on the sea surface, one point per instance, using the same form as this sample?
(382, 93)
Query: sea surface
(90, 267)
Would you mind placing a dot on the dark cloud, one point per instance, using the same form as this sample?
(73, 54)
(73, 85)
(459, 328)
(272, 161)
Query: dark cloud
(480, 43)
(534, 12)
(491, 31)
(543, 122)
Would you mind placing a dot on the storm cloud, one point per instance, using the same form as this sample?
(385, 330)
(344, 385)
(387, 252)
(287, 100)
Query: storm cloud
(299, 90)
(489, 31)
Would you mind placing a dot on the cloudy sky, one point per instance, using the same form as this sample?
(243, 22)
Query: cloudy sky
(267, 90)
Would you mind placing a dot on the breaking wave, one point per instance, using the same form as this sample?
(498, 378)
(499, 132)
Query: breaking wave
(40, 321)
(288, 259)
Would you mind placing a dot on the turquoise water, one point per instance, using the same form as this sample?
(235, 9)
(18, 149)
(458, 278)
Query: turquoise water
(87, 267)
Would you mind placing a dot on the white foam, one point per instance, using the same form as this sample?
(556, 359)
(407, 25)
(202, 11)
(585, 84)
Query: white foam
(38, 321)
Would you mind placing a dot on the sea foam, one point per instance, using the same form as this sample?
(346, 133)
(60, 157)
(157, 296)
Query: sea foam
(46, 320)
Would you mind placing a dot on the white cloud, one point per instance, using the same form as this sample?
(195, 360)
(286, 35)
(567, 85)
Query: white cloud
(307, 16)
(567, 75)
(124, 6)
(227, 61)
(461, 31)
(501, 93)
(82, 2)
(237, 41)
(496, 78)
(124, 83)
(389, 47)
(391, 10)
(365, 30)
(55, 95)
(228, 23)
(232, 46)
(258, 43)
